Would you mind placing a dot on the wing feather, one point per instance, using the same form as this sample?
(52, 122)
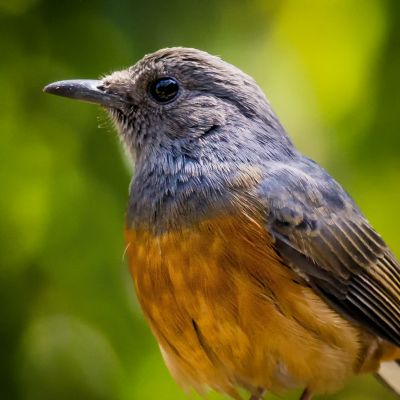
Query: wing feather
(320, 233)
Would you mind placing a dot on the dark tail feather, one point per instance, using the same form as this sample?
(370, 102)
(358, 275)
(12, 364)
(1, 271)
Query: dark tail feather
(389, 375)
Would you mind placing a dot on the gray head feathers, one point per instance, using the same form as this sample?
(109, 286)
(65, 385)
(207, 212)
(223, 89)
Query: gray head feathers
(190, 152)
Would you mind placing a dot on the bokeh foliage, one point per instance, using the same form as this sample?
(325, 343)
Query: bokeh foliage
(70, 325)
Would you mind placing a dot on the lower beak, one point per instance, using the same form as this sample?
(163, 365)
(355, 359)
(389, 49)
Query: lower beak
(88, 90)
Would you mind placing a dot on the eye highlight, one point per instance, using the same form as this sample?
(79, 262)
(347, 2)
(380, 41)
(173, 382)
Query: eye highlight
(164, 90)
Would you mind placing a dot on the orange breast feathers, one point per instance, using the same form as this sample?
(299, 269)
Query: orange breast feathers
(227, 313)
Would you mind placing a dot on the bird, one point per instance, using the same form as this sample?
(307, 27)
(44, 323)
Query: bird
(254, 268)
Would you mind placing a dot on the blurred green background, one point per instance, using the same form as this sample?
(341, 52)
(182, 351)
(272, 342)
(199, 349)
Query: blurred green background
(70, 325)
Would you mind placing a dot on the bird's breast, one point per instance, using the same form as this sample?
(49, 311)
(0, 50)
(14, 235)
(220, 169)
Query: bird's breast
(226, 311)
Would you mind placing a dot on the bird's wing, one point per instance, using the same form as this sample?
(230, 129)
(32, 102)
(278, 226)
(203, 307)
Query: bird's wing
(320, 233)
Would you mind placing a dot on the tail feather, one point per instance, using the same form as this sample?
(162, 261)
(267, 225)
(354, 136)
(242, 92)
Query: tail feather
(389, 375)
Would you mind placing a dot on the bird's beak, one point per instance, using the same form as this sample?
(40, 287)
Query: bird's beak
(88, 90)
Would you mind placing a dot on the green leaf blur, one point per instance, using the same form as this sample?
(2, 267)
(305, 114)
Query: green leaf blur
(70, 324)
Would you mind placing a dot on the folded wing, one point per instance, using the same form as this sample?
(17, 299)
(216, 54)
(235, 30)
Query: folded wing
(320, 233)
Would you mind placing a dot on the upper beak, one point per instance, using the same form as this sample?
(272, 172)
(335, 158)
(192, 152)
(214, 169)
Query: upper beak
(88, 90)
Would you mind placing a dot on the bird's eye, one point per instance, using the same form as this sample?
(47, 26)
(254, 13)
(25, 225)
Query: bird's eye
(164, 90)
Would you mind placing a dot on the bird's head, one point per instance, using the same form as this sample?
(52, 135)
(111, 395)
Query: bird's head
(184, 100)
(199, 130)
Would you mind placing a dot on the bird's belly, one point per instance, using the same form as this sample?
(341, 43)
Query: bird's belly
(227, 313)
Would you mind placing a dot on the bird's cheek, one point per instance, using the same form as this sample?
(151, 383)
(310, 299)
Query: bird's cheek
(195, 122)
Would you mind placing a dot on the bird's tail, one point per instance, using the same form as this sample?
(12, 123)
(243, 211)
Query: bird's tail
(389, 375)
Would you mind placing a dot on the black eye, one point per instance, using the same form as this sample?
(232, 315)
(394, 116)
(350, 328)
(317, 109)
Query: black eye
(164, 90)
